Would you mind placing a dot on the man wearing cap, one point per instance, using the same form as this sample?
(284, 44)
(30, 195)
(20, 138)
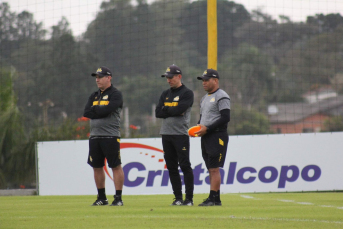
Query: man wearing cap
(174, 108)
(214, 116)
(103, 108)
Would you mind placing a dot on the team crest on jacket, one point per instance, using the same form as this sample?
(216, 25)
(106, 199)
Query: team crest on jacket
(105, 97)
(212, 100)
(176, 98)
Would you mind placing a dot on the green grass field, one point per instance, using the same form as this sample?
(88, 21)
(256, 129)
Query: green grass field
(268, 210)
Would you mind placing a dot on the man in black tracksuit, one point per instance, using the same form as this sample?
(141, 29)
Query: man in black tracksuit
(103, 108)
(174, 107)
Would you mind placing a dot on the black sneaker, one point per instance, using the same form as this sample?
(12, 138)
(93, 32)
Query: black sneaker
(100, 202)
(207, 202)
(177, 202)
(187, 202)
(218, 203)
(117, 201)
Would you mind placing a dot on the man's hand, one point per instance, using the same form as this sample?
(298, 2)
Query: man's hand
(202, 131)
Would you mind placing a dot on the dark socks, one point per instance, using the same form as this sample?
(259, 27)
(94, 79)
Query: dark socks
(217, 199)
(101, 194)
(213, 195)
(118, 193)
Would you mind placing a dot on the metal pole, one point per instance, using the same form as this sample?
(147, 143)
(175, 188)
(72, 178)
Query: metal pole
(126, 122)
(212, 39)
(153, 117)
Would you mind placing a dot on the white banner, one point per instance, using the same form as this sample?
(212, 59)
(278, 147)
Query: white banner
(258, 163)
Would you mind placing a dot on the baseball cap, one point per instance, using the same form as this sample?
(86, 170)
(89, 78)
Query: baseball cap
(102, 71)
(209, 73)
(171, 71)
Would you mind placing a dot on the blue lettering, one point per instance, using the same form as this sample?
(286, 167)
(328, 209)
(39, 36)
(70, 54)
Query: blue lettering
(290, 173)
(232, 171)
(240, 175)
(196, 172)
(207, 179)
(262, 174)
(283, 175)
(222, 174)
(127, 168)
(316, 174)
(151, 177)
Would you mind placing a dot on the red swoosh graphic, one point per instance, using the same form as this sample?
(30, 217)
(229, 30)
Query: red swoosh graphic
(125, 145)
(137, 145)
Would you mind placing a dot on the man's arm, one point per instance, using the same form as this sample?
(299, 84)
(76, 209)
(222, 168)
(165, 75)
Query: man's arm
(184, 103)
(159, 111)
(200, 110)
(224, 118)
(88, 112)
(116, 101)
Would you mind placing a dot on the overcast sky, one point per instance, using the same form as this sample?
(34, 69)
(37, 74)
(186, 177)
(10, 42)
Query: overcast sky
(81, 12)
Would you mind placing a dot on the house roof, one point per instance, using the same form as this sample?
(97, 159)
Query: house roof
(293, 112)
(323, 89)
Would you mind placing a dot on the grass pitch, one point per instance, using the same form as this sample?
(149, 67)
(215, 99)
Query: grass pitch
(268, 210)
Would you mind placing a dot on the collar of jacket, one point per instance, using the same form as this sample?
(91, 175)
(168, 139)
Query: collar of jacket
(177, 89)
(213, 92)
(107, 89)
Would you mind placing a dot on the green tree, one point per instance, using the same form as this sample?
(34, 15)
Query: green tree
(134, 40)
(272, 37)
(16, 156)
(16, 29)
(60, 29)
(109, 36)
(69, 129)
(17, 144)
(309, 64)
(59, 72)
(325, 23)
(250, 72)
(333, 124)
(247, 122)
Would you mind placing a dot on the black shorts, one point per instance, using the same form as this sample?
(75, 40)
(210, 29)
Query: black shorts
(214, 147)
(104, 147)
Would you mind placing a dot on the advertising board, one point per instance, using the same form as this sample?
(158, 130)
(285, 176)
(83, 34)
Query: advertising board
(257, 163)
